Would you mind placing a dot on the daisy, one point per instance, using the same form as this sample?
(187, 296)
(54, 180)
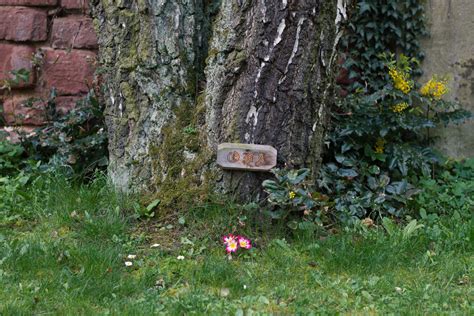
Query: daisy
(232, 246)
(228, 238)
(244, 242)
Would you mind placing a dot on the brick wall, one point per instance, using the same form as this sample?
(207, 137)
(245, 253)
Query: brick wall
(54, 40)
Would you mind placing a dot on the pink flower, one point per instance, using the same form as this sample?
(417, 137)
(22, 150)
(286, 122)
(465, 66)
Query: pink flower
(244, 242)
(232, 246)
(228, 238)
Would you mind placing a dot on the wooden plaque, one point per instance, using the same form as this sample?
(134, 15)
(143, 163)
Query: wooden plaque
(248, 157)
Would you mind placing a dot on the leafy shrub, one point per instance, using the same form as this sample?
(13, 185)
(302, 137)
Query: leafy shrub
(76, 140)
(380, 146)
(293, 198)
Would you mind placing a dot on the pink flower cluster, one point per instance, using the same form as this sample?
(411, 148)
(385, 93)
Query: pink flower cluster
(233, 243)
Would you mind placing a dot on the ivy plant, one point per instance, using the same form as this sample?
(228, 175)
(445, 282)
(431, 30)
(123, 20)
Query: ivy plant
(376, 27)
(75, 141)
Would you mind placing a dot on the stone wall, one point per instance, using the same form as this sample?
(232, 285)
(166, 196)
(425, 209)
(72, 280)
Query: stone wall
(55, 43)
(450, 51)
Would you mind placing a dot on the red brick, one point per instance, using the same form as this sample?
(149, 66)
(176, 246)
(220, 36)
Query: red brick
(33, 3)
(16, 133)
(75, 4)
(23, 24)
(30, 110)
(16, 57)
(70, 72)
(73, 32)
(23, 110)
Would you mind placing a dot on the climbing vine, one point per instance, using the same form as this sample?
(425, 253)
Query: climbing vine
(377, 27)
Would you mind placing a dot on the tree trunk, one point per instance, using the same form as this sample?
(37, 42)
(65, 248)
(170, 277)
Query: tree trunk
(183, 76)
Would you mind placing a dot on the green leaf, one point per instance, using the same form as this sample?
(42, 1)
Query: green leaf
(384, 180)
(397, 188)
(383, 132)
(411, 228)
(374, 169)
(389, 226)
(364, 7)
(343, 172)
(153, 205)
(372, 182)
(345, 147)
(293, 225)
(270, 185)
(296, 177)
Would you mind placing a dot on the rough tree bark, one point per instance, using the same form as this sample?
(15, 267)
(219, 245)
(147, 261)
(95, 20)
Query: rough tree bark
(183, 76)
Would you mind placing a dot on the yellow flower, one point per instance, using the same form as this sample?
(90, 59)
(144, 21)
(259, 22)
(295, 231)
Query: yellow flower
(434, 88)
(292, 195)
(379, 146)
(400, 80)
(400, 107)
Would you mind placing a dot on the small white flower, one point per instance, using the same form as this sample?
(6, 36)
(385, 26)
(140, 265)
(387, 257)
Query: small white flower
(131, 256)
(155, 245)
(398, 289)
(180, 257)
(128, 263)
(245, 287)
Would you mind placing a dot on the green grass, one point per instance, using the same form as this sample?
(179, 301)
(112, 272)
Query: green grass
(66, 257)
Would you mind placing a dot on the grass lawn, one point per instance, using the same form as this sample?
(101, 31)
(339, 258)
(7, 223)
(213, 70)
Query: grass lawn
(66, 255)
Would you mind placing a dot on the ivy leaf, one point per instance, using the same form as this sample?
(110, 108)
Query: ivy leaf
(364, 7)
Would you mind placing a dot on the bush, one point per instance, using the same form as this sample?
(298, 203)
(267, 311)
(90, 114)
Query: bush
(380, 147)
(294, 199)
(75, 142)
